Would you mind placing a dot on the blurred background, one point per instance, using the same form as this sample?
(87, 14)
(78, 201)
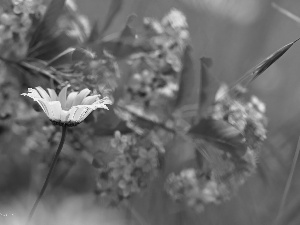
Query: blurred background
(236, 34)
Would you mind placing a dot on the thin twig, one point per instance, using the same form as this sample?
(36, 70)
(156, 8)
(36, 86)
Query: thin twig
(288, 183)
(40, 70)
(54, 160)
(65, 52)
(286, 12)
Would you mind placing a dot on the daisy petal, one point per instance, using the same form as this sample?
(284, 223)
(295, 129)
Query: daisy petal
(72, 112)
(89, 100)
(85, 114)
(64, 115)
(43, 93)
(82, 94)
(53, 95)
(62, 97)
(34, 94)
(70, 100)
(79, 112)
(43, 105)
(54, 110)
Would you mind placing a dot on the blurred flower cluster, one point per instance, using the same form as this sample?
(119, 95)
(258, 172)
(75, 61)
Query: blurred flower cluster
(17, 22)
(38, 141)
(99, 74)
(245, 113)
(236, 127)
(131, 170)
(195, 189)
(155, 73)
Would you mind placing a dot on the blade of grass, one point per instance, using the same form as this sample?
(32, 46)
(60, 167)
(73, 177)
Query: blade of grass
(288, 184)
(115, 7)
(286, 12)
(261, 67)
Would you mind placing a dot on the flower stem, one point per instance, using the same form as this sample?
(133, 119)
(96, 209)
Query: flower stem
(54, 160)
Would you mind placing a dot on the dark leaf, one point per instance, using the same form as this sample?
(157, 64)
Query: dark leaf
(128, 33)
(107, 123)
(47, 27)
(96, 163)
(196, 91)
(115, 7)
(253, 73)
(95, 35)
(81, 54)
(188, 92)
(122, 49)
(48, 51)
(222, 134)
(189, 87)
(71, 56)
(123, 43)
(208, 85)
(206, 63)
(39, 67)
(211, 157)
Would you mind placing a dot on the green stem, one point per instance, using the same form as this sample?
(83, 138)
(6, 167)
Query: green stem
(54, 160)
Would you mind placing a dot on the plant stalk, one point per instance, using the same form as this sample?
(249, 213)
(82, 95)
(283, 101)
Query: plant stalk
(54, 160)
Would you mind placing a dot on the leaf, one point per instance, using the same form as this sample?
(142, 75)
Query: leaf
(50, 49)
(39, 67)
(65, 54)
(128, 33)
(198, 93)
(115, 7)
(222, 134)
(206, 63)
(71, 56)
(253, 73)
(108, 123)
(47, 26)
(81, 54)
(188, 92)
(98, 160)
(94, 35)
(208, 85)
(123, 43)
(211, 158)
